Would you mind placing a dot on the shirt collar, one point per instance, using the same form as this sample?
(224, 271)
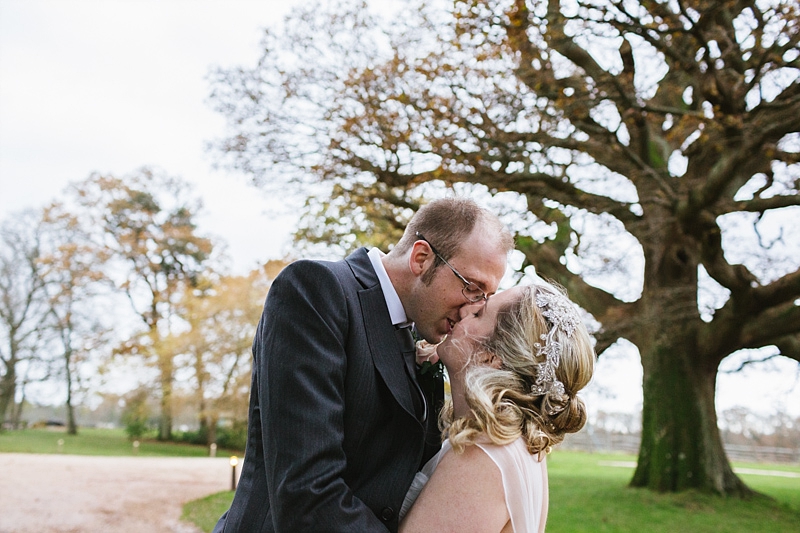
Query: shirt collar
(396, 311)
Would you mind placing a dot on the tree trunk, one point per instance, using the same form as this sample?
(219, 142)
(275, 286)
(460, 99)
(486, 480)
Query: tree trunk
(8, 389)
(681, 446)
(16, 409)
(208, 421)
(165, 420)
(72, 425)
(212, 429)
(16, 420)
(202, 406)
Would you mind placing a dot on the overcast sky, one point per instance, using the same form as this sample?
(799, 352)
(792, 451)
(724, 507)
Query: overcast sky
(113, 85)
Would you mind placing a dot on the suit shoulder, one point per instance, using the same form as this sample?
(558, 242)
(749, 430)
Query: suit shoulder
(323, 276)
(303, 267)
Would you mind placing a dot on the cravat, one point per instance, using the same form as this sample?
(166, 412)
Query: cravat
(409, 349)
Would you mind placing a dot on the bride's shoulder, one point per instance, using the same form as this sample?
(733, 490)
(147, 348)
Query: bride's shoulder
(465, 493)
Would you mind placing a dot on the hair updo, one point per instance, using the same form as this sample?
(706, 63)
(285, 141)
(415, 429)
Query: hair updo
(500, 399)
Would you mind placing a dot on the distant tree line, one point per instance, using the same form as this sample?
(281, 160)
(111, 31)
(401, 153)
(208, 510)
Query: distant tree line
(115, 279)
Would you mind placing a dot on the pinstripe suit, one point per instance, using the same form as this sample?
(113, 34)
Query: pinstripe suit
(335, 435)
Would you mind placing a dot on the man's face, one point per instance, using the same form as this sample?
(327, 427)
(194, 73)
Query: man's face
(435, 307)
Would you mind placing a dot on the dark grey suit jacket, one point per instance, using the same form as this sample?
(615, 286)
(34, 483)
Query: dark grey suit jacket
(333, 439)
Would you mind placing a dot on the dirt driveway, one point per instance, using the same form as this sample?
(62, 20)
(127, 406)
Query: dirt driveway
(74, 493)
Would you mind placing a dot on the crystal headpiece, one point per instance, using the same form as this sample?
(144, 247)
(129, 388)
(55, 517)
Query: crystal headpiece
(561, 315)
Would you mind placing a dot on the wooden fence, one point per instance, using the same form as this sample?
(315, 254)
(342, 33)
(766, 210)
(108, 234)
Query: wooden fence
(602, 441)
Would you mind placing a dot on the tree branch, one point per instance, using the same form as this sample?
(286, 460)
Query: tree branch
(774, 323)
(566, 46)
(566, 193)
(783, 289)
(759, 205)
(737, 278)
(546, 260)
(778, 116)
(789, 346)
(749, 362)
(617, 317)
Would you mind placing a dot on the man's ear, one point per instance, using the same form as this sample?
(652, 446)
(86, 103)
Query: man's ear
(420, 258)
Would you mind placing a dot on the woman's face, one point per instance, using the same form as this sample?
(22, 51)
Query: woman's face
(477, 323)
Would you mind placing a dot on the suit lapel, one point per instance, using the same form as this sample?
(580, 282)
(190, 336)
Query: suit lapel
(381, 337)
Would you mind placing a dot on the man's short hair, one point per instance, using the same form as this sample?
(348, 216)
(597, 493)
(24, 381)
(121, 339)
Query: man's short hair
(447, 222)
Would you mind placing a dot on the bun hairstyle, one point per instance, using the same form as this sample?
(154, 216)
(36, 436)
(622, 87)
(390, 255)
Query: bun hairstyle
(546, 357)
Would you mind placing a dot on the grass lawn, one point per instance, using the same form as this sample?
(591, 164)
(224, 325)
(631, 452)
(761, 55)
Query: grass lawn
(91, 441)
(588, 494)
(205, 512)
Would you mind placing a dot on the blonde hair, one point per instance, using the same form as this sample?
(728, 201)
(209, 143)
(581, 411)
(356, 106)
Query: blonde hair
(503, 408)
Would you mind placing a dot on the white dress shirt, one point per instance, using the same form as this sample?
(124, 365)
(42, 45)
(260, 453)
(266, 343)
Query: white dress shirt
(396, 311)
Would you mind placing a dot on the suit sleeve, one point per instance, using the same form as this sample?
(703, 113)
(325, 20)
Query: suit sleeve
(301, 361)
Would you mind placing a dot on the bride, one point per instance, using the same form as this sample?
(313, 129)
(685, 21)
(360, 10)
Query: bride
(515, 364)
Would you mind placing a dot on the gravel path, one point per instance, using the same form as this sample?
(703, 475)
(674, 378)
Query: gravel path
(74, 493)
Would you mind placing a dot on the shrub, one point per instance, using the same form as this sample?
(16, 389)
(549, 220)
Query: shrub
(136, 415)
(233, 437)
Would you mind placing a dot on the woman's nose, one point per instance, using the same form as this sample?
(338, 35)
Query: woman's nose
(469, 308)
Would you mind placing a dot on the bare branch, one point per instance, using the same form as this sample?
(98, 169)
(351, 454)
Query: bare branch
(749, 362)
(737, 278)
(759, 205)
(566, 193)
(783, 289)
(789, 346)
(774, 323)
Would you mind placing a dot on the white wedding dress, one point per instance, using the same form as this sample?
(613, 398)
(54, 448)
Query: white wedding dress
(524, 483)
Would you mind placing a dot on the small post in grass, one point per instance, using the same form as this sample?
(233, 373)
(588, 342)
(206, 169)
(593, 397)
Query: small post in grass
(234, 462)
(60, 443)
(212, 449)
(136, 447)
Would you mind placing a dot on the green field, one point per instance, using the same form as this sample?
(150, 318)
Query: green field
(588, 492)
(91, 441)
(589, 495)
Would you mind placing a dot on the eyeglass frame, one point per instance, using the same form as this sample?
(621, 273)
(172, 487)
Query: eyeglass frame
(467, 283)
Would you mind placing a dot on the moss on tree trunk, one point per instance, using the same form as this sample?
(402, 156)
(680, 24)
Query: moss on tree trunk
(681, 446)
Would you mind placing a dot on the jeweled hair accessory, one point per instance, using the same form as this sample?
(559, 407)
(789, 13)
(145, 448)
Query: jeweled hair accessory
(561, 315)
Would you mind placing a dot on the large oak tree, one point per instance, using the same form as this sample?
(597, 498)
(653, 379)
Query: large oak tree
(670, 124)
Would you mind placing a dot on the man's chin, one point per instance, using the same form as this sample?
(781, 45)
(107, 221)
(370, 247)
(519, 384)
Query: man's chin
(435, 339)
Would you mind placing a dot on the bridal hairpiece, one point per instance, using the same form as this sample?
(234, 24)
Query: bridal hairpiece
(562, 316)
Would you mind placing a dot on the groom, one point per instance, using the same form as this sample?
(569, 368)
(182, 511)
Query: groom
(338, 424)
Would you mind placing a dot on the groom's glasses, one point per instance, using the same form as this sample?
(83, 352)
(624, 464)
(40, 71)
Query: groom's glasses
(471, 292)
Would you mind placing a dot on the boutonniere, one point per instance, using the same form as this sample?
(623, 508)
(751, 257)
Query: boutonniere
(435, 370)
(428, 363)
